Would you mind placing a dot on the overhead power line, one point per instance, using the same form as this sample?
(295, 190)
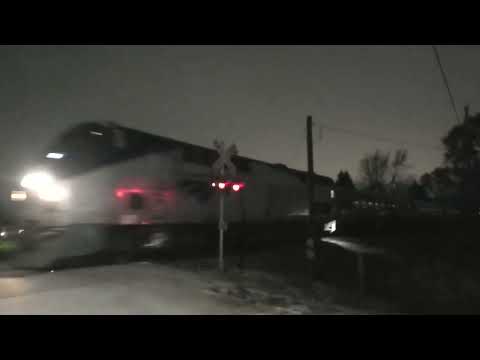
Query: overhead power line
(393, 141)
(445, 81)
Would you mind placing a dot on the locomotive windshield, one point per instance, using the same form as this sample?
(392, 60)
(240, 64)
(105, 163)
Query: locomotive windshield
(91, 145)
(81, 149)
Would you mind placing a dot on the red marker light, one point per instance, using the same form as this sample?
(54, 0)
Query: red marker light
(222, 185)
(120, 193)
(236, 187)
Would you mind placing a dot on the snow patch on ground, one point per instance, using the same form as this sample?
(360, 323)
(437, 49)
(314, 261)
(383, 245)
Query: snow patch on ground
(279, 303)
(270, 293)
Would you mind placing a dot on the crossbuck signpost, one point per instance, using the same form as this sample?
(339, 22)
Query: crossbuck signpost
(224, 162)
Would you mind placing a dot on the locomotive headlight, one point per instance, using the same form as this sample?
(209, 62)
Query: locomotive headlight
(36, 181)
(45, 186)
(53, 193)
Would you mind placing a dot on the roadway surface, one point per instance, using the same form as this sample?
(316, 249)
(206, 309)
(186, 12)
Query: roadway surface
(136, 288)
(139, 288)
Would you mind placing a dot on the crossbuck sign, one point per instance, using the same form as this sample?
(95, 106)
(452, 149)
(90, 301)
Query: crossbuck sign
(224, 160)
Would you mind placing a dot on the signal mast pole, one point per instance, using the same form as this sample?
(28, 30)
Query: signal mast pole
(221, 224)
(223, 161)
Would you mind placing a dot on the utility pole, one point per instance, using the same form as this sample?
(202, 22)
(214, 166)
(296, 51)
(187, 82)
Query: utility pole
(310, 243)
(467, 110)
(310, 169)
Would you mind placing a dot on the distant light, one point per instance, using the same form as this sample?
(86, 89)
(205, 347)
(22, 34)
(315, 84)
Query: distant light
(332, 194)
(18, 196)
(236, 187)
(20, 231)
(96, 133)
(213, 184)
(119, 193)
(222, 185)
(55, 155)
(3, 233)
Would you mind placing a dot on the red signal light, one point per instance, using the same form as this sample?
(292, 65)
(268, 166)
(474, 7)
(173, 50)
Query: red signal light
(224, 185)
(238, 186)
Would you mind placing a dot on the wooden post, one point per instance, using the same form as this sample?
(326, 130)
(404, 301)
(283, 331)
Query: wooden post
(242, 234)
(311, 243)
(361, 272)
(310, 169)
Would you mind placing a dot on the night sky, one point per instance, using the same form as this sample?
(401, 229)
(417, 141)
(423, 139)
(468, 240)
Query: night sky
(256, 96)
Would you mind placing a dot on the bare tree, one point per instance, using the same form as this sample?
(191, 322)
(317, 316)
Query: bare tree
(378, 171)
(373, 170)
(398, 165)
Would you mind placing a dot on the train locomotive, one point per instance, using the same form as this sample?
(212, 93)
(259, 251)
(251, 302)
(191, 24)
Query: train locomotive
(111, 177)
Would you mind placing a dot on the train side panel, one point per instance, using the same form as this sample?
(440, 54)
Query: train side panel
(161, 188)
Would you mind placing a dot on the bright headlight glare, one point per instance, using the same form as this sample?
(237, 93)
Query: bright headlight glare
(53, 192)
(45, 186)
(36, 181)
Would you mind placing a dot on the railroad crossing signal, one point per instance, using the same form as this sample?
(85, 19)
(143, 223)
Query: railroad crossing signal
(224, 162)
